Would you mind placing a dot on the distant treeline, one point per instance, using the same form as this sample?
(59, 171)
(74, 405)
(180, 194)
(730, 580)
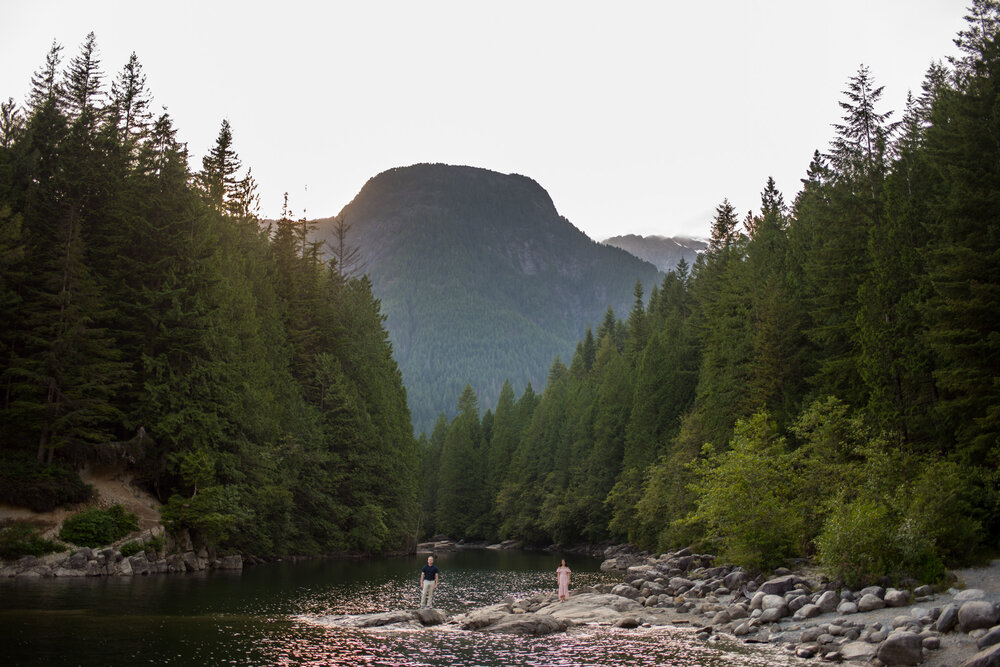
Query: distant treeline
(150, 318)
(824, 380)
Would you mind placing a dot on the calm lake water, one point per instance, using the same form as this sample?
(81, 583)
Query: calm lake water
(272, 615)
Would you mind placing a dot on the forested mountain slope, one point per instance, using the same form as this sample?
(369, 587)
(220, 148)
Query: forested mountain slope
(480, 278)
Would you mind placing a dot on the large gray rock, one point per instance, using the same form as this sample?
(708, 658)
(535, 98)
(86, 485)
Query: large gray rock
(970, 594)
(988, 657)
(781, 585)
(990, 638)
(625, 591)
(480, 618)
(895, 598)
(807, 611)
(386, 618)
(858, 651)
(902, 648)
(735, 580)
(772, 602)
(234, 562)
(772, 615)
(528, 624)
(948, 618)
(845, 608)
(828, 601)
(976, 614)
(431, 616)
(870, 602)
(591, 608)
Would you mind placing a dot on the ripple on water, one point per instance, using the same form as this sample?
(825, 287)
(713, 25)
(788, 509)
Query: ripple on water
(317, 643)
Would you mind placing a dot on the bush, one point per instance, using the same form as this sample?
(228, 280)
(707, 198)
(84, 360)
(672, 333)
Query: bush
(746, 497)
(27, 483)
(131, 548)
(22, 539)
(97, 527)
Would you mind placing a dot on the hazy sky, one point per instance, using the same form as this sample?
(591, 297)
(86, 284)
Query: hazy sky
(637, 117)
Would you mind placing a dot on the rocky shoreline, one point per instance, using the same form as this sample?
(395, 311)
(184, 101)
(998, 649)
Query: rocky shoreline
(809, 617)
(179, 556)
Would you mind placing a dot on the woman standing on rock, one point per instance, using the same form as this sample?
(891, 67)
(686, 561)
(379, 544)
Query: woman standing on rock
(562, 576)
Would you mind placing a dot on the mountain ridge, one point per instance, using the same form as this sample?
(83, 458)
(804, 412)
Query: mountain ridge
(480, 278)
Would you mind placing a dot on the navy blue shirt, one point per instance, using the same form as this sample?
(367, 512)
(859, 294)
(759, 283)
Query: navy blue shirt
(430, 572)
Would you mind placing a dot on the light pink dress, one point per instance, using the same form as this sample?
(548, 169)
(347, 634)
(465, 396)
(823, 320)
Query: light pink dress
(562, 576)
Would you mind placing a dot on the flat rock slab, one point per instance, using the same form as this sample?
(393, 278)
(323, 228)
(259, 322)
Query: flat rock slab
(858, 651)
(528, 624)
(592, 608)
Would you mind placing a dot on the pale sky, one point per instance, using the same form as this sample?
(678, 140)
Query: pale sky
(636, 117)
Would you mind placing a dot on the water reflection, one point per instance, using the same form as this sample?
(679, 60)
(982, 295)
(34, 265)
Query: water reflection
(272, 615)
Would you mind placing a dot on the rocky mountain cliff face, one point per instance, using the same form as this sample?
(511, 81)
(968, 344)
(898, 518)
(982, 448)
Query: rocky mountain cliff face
(662, 252)
(480, 279)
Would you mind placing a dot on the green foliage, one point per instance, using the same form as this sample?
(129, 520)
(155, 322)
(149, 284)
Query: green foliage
(22, 539)
(747, 499)
(96, 527)
(41, 487)
(131, 548)
(149, 314)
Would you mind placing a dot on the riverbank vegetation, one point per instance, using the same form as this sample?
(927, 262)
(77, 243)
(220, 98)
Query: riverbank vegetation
(150, 318)
(823, 381)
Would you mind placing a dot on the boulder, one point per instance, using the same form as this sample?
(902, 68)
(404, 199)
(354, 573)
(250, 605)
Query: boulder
(234, 562)
(807, 611)
(480, 618)
(431, 616)
(990, 638)
(528, 624)
(386, 618)
(902, 648)
(976, 614)
(845, 608)
(781, 585)
(877, 591)
(627, 622)
(625, 591)
(828, 601)
(813, 634)
(947, 619)
(988, 657)
(772, 615)
(772, 602)
(895, 598)
(735, 580)
(591, 608)
(870, 602)
(857, 651)
(970, 594)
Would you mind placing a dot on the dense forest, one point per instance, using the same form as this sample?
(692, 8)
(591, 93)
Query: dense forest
(822, 381)
(479, 276)
(151, 319)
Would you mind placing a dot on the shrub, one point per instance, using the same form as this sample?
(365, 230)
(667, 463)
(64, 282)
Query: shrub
(27, 483)
(131, 548)
(96, 527)
(746, 497)
(22, 539)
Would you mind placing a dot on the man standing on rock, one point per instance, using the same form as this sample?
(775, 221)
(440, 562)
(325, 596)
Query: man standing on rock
(429, 578)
